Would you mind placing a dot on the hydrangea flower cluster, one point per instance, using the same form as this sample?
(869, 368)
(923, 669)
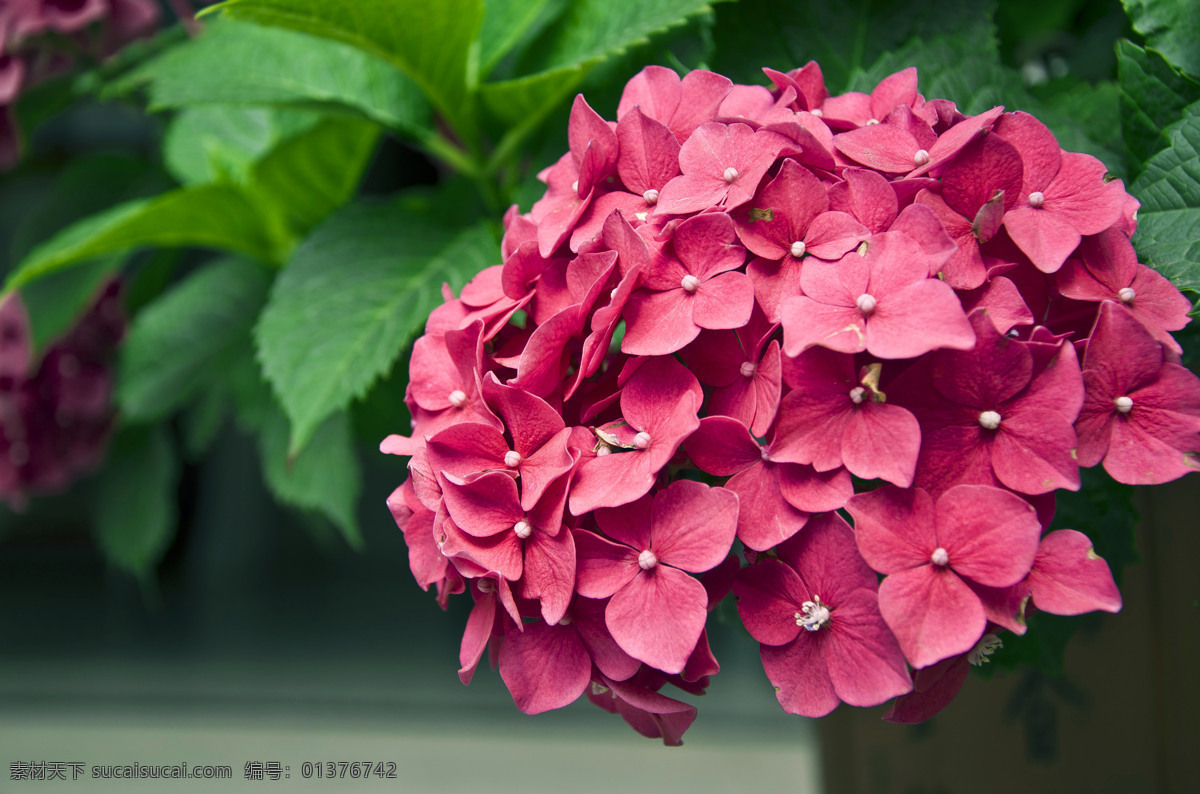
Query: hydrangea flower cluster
(41, 38)
(56, 414)
(741, 316)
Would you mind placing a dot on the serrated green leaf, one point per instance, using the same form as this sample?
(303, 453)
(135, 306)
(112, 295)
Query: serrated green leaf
(1168, 235)
(239, 63)
(588, 32)
(325, 477)
(505, 22)
(1153, 96)
(184, 340)
(350, 299)
(214, 143)
(136, 505)
(431, 42)
(312, 174)
(207, 216)
(1170, 26)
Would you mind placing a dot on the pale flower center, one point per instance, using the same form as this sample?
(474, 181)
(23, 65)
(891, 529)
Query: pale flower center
(814, 614)
(641, 216)
(1126, 294)
(987, 645)
(730, 174)
(858, 394)
(817, 112)
(689, 283)
(748, 369)
(940, 557)
(457, 398)
(1124, 404)
(522, 530)
(921, 157)
(512, 459)
(1036, 199)
(651, 196)
(575, 186)
(865, 303)
(642, 440)
(989, 420)
(798, 249)
(647, 560)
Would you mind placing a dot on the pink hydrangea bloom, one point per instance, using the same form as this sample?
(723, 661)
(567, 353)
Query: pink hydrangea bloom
(739, 308)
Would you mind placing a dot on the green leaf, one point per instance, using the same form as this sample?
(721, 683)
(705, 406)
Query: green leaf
(214, 143)
(352, 296)
(325, 477)
(430, 41)
(185, 339)
(312, 174)
(1170, 26)
(1153, 96)
(238, 63)
(136, 506)
(844, 38)
(507, 22)
(208, 216)
(589, 32)
(83, 187)
(1168, 235)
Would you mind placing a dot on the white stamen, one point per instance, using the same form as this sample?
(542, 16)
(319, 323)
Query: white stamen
(575, 186)
(1126, 294)
(522, 530)
(689, 283)
(1036, 199)
(642, 440)
(512, 459)
(872, 121)
(651, 196)
(613, 294)
(748, 369)
(987, 645)
(641, 216)
(817, 112)
(865, 303)
(814, 616)
(730, 174)
(603, 450)
(798, 249)
(940, 557)
(598, 689)
(858, 394)
(647, 560)
(1124, 404)
(989, 420)
(921, 157)
(566, 620)
(457, 398)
